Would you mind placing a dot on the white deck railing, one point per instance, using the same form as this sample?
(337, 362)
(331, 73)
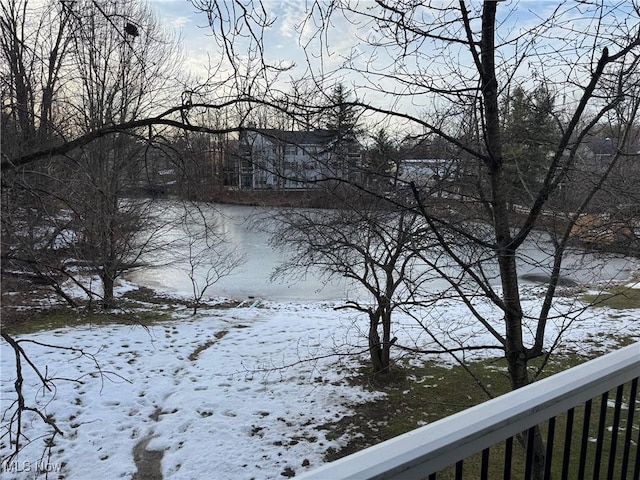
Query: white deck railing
(431, 448)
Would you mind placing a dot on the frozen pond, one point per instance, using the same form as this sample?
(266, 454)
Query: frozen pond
(252, 278)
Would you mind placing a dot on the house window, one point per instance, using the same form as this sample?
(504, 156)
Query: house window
(290, 150)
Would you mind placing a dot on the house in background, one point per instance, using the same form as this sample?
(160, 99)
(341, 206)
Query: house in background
(439, 177)
(426, 171)
(281, 159)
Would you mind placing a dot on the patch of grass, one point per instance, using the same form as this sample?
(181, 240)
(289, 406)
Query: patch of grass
(601, 340)
(618, 297)
(414, 396)
(50, 319)
(417, 395)
(22, 314)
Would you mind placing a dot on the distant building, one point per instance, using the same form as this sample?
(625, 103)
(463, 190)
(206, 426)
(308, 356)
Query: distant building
(427, 171)
(280, 159)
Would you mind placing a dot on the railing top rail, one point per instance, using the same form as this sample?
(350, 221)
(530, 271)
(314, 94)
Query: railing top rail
(433, 447)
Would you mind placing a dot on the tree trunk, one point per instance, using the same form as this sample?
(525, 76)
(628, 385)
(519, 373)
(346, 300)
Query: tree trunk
(375, 349)
(375, 346)
(386, 339)
(515, 351)
(107, 286)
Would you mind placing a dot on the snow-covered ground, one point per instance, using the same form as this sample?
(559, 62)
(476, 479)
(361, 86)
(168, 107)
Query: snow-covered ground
(230, 393)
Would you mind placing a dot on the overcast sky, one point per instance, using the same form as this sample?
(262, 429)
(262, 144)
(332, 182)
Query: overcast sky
(282, 40)
(193, 26)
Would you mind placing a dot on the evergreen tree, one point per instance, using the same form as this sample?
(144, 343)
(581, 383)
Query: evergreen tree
(529, 132)
(341, 120)
(382, 158)
(341, 117)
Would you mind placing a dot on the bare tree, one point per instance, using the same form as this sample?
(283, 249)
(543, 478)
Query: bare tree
(367, 244)
(124, 75)
(35, 45)
(75, 70)
(120, 66)
(211, 257)
(479, 64)
(444, 69)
